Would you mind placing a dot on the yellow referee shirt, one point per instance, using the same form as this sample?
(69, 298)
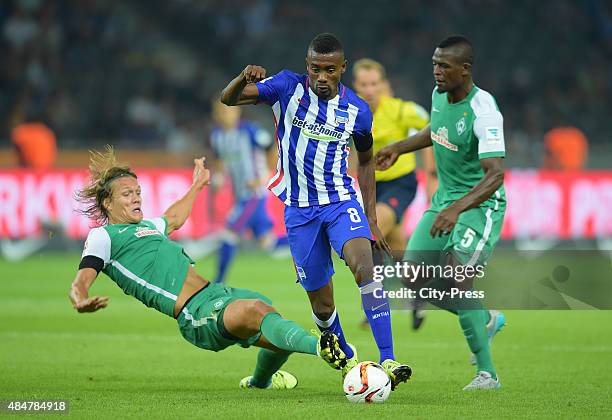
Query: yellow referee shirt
(394, 120)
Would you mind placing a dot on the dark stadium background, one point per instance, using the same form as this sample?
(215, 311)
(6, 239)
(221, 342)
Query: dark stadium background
(82, 65)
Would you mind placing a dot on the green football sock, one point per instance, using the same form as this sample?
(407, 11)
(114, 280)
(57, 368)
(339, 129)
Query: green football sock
(473, 323)
(268, 362)
(287, 335)
(473, 319)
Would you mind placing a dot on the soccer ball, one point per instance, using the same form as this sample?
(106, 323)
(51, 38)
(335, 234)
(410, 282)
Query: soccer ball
(367, 383)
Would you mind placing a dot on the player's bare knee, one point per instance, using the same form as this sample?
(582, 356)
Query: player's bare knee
(261, 307)
(257, 309)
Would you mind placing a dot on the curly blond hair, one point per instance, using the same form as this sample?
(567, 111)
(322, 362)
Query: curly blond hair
(103, 170)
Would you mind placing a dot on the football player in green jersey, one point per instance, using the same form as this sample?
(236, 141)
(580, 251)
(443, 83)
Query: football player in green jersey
(138, 256)
(465, 219)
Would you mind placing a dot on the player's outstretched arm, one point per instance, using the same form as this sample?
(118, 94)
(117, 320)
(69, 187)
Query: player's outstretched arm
(387, 156)
(367, 184)
(79, 292)
(179, 211)
(242, 89)
(493, 179)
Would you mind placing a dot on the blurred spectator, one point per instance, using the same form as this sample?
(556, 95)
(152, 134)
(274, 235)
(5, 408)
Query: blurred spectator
(566, 149)
(20, 29)
(34, 142)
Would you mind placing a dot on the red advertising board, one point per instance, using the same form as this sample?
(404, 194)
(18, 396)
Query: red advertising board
(550, 204)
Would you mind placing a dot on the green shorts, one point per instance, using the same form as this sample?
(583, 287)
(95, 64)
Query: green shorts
(201, 320)
(471, 241)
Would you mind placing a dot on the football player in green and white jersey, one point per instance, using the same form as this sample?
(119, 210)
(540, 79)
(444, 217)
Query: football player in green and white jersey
(137, 255)
(465, 219)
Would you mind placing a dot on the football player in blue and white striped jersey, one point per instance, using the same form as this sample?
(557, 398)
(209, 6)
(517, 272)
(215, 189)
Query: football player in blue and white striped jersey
(316, 116)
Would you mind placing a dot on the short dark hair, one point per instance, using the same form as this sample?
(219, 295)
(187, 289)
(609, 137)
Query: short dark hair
(326, 43)
(463, 45)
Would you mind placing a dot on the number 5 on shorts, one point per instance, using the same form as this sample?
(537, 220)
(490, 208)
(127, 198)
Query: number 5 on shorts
(468, 238)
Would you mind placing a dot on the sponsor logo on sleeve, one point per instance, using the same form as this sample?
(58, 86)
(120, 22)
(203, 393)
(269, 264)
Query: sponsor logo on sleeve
(493, 134)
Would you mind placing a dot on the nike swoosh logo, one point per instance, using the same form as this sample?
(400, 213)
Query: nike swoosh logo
(378, 307)
(122, 230)
(356, 227)
(434, 109)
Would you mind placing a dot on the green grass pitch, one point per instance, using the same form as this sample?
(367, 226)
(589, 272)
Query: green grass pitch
(129, 361)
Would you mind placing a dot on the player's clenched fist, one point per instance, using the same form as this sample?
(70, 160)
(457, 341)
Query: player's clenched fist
(253, 73)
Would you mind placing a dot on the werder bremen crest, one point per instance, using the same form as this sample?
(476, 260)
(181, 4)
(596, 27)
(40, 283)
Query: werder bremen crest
(460, 125)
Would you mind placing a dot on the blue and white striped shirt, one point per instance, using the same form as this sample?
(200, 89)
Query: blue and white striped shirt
(313, 136)
(242, 151)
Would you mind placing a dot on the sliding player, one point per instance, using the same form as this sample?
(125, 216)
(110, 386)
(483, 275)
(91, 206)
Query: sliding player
(137, 255)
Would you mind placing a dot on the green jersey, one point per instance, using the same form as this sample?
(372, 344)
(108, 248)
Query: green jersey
(462, 133)
(141, 259)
